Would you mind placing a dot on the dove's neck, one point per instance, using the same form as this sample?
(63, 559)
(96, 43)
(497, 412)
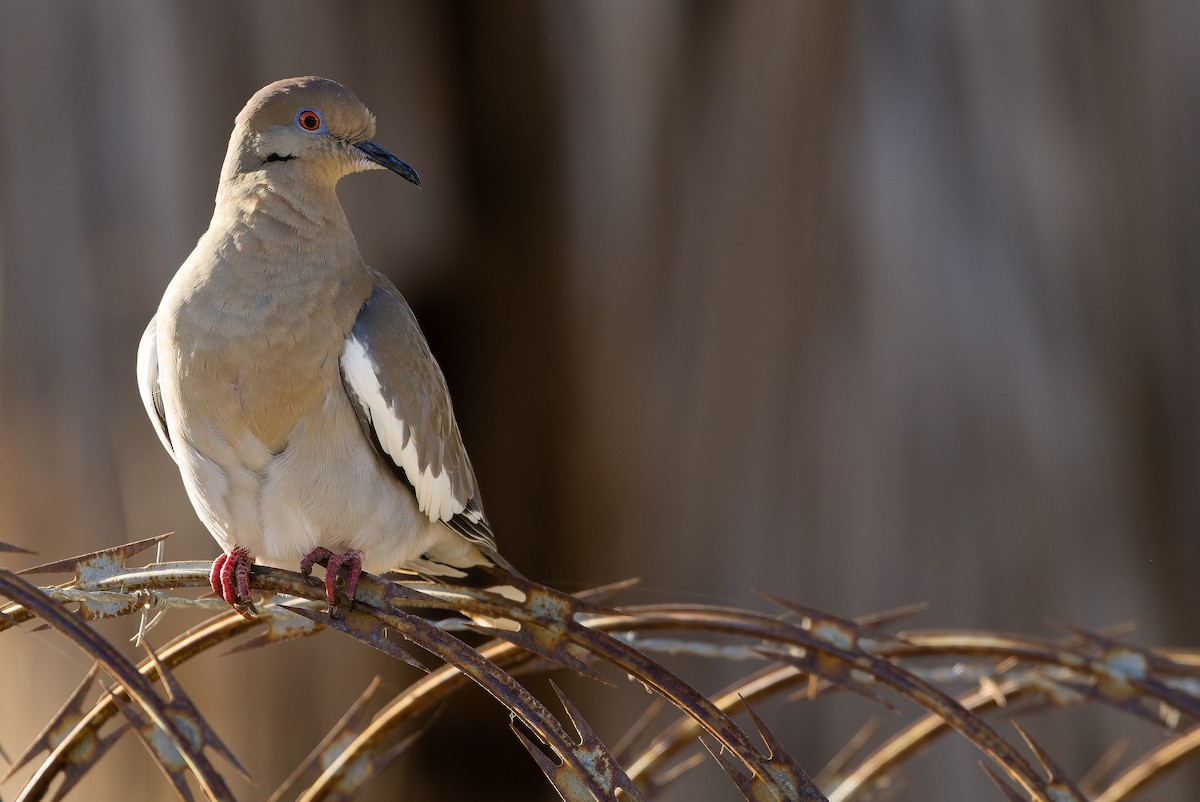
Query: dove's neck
(256, 216)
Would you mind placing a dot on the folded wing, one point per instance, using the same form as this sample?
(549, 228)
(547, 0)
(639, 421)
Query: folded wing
(402, 402)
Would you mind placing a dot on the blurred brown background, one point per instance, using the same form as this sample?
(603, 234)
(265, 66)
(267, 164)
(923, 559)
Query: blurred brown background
(860, 304)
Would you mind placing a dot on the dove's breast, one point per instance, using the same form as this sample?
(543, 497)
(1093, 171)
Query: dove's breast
(269, 445)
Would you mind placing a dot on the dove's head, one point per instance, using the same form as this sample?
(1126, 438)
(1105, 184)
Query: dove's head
(302, 131)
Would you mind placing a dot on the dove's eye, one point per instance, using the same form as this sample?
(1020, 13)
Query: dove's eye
(309, 120)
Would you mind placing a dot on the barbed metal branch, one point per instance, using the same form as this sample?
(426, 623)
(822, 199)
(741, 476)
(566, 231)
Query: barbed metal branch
(804, 653)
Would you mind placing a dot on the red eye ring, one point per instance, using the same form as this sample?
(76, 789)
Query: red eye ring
(309, 120)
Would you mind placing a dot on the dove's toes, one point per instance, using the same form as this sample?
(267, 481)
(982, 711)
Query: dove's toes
(350, 562)
(230, 579)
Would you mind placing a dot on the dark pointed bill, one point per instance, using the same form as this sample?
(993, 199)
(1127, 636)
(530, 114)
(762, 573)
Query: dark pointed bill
(385, 159)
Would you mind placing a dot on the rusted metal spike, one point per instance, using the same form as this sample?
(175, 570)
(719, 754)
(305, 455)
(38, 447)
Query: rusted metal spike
(660, 782)
(189, 720)
(908, 684)
(885, 617)
(638, 731)
(60, 726)
(545, 642)
(1010, 794)
(365, 628)
(743, 780)
(585, 731)
(1126, 676)
(1062, 787)
(543, 600)
(76, 755)
(490, 676)
(841, 632)
(387, 594)
(389, 756)
(76, 764)
(832, 669)
(545, 616)
(283, 624)
(1113, 649)
(334, 743)
(1103, 769)
(350, 785)
(852, 751)
(114, 607)
(9, 548)
(540, 602)
(571, 785)
(1171, 701)
(592, 753)
(98, 565)
(603, 593)
(1048, 765)
(920, 691)
(118, 667)
(774, 746)
(700, 708)
(163, 750)
(645, 768)
(360, 759)
(783, 766)
(1131, 701)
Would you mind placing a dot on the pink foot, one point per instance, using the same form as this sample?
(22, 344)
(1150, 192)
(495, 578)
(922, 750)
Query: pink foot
(230, 579)
(333, 562)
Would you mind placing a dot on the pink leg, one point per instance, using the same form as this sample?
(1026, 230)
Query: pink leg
(351, 561)
(230, 579)
(214, 578)
(331, 577)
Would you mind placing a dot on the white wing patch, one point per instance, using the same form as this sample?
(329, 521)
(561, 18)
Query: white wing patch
(147, 375)
(435, 497)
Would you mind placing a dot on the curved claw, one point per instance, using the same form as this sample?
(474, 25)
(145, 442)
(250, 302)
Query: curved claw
(230, 579)
(246, 610)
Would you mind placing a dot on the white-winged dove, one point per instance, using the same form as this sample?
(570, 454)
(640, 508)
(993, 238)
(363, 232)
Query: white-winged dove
(290, 381)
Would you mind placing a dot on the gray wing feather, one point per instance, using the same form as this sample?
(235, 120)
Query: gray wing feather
(403, 404)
